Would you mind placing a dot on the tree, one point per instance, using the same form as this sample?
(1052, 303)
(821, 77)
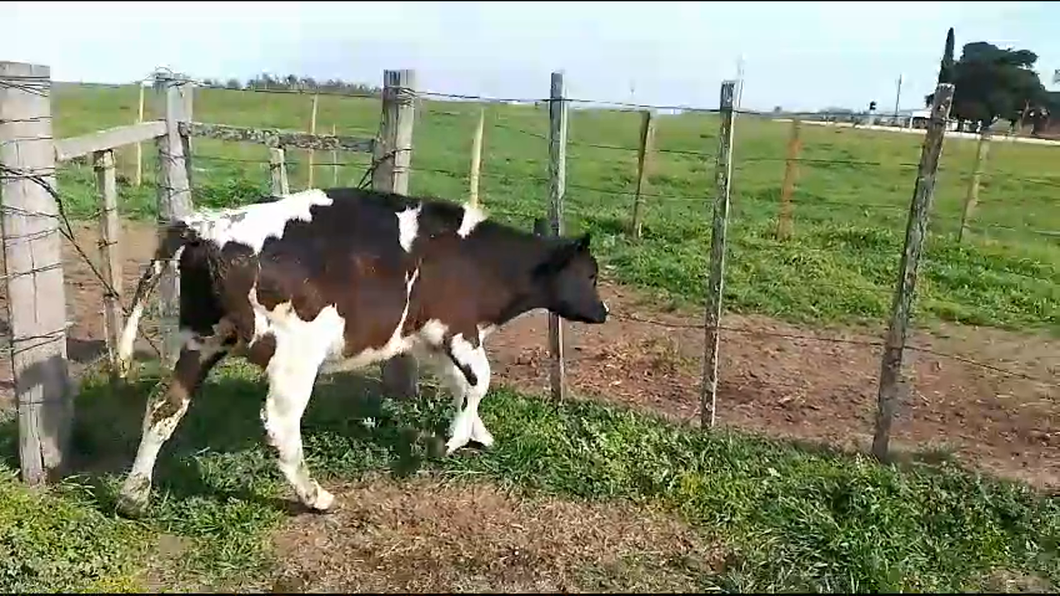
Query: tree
(946, 66)
(992, 83)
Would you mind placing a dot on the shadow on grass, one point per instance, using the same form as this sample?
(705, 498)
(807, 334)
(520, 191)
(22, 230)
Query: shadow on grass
(223, 421)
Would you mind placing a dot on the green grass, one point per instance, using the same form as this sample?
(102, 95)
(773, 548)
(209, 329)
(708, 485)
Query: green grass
(789, 518)
(849, 219)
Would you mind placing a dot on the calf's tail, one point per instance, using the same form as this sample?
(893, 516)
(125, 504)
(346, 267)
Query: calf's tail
(176, 235)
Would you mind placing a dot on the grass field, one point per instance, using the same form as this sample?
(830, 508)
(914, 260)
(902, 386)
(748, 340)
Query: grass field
(772, 515)
(779, 517)
(850, 217)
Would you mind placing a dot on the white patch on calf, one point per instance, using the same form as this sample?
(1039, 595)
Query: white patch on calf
(189, 340)
(408, 226)
(253, 224)
(467, 425)
(473, 216)
(128, 333)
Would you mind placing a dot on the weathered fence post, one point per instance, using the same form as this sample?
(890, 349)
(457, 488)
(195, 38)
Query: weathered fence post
(644, 153)
(174, 199)
(334, 160)
(278, 171)
(392, 158)
(109, 231)
(722, 185)
(36, 298)
(312, 131)
(557, 184)
(476, 158)
(139, 179)
(187, 111)
(787, 188)
(916, 229)
(972, 198)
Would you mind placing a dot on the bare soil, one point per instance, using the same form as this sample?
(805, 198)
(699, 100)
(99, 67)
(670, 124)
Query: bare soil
(821, 389)
(472, 537)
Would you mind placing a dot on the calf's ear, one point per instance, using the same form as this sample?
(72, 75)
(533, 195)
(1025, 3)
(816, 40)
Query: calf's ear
(559, 256)
(541, 227)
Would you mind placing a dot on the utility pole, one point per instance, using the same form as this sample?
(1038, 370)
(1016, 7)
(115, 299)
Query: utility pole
(897, 98)
(739, 79)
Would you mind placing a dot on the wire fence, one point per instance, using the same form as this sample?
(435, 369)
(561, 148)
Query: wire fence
(848, 230)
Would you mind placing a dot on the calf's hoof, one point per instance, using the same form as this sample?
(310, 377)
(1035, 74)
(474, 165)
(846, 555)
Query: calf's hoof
(132, 500)
(131, 506)
(322, 502)
(480, 435)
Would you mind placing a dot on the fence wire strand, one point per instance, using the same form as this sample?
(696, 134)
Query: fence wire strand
(33, 84)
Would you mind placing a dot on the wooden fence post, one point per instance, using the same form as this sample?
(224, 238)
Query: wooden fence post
(109, 231)
(391, 159)
(174, 200)
(644, 153)
(334, 160)
(916, 229)
(972, 198)
(312, 131)
(716, 285)
(476, 158)
(557, 185)
(787, 188)
(187, 95)
(278, 171)
(139, 177)
(36, 298)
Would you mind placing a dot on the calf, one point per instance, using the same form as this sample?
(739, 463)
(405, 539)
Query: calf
(340, 279)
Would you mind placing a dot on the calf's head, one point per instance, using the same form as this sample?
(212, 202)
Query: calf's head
(567, 277)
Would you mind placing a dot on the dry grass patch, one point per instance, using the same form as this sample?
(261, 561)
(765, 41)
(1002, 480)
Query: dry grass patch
(431, 535)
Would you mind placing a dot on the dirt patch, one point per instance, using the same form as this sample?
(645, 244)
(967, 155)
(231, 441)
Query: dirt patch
(1006, 581)
(470, 537)
(775, 378)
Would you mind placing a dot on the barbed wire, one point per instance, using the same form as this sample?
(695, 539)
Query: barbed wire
(742, 162)
(68, 233)
(64, 228)
(705, 198)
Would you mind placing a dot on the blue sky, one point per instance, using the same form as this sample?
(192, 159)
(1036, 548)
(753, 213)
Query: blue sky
(800, 55)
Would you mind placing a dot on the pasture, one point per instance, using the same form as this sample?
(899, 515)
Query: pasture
(611, 492)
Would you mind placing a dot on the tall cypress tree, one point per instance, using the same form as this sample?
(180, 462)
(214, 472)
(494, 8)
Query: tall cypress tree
(946, 67)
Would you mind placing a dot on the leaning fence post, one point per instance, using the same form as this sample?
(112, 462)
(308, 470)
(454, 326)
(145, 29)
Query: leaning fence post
(915, 231)
(109, 230)
(557, 184)
(174, 199)
(36, 298)
(787, 188)
(971, 199)
(138, 180)
(644, 156)
(722, 185)
(312, 131)
(391, 159)
(476, 159)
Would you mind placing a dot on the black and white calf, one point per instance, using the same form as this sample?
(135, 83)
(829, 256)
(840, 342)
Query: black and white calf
(339, 279)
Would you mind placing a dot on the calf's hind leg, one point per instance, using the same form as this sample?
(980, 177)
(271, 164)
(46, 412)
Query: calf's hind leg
(164, 411)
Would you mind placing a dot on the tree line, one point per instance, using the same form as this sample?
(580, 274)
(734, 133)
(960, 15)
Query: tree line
(294, 82)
